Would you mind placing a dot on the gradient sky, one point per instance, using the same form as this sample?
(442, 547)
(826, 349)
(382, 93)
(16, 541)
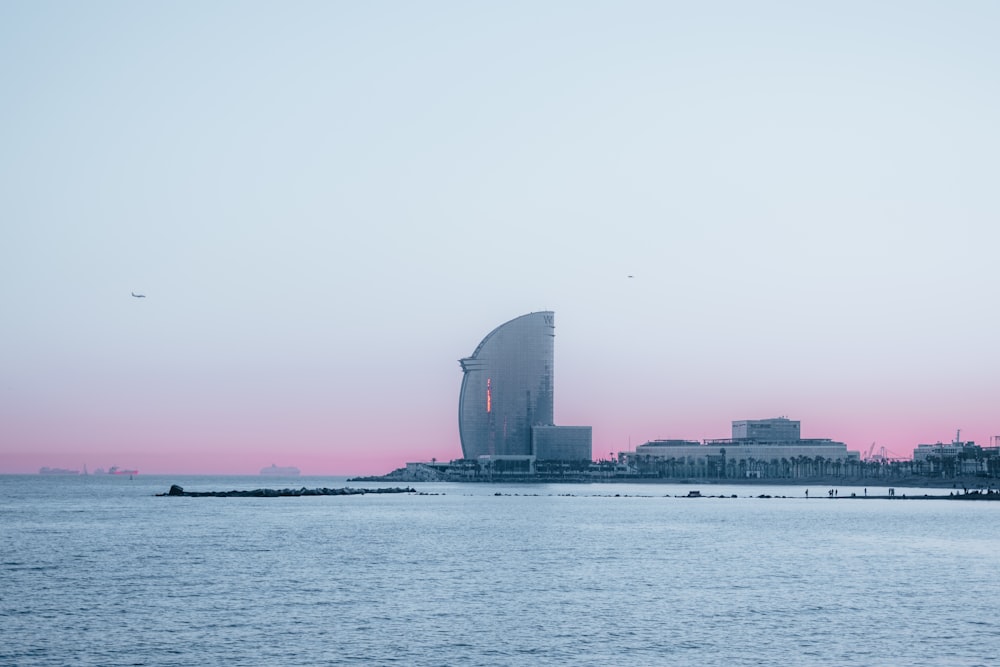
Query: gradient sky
(328, 204)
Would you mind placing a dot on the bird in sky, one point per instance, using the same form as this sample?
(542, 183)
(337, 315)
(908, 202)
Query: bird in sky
(139, 296)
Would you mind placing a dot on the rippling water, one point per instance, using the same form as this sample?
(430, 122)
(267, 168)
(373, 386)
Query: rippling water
(98, 571)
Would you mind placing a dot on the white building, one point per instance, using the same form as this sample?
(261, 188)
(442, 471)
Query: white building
(779, 429)
(758, 448)
(961, 457)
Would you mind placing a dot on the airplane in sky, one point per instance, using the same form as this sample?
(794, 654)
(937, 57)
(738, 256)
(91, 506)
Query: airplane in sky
(139, 296)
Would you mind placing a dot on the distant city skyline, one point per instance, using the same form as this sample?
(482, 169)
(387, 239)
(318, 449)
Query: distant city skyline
(738, 211)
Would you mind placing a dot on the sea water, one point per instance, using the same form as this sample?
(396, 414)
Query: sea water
(100, 571)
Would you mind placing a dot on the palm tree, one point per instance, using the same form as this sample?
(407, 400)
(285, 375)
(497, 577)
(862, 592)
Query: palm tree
(819, 464)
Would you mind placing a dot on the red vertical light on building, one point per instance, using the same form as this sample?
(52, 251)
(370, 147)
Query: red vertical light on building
(489, 395)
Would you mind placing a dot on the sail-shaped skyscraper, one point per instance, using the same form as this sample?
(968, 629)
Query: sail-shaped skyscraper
(506, 401)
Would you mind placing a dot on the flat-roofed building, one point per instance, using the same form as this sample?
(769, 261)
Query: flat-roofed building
(773, 430)
(562, 443)
(758, 448)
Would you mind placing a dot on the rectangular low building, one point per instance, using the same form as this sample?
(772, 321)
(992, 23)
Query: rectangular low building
(758, 448)
(562, 443)
(779, 429)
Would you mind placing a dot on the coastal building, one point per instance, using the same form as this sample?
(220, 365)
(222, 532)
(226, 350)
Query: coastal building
(780, 429)
(940, 450)
(505, 405)
(955, 457)
(561, 443)
(757, 448)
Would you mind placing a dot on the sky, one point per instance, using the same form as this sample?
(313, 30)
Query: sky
(327, 204)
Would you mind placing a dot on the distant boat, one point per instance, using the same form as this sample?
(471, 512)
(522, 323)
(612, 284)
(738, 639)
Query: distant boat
(115, 470)
(280, 471)
(57, 471)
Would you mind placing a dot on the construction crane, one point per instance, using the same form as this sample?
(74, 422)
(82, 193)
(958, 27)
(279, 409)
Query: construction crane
(868, 456)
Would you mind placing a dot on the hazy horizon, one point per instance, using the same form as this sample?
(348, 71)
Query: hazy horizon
(326, 205)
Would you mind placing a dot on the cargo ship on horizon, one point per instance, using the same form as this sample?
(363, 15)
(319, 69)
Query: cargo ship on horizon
(280, 471)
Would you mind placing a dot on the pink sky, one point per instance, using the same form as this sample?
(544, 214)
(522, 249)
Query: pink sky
(233, 438)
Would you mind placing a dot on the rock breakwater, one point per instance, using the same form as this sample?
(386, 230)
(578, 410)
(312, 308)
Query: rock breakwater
(176, 490)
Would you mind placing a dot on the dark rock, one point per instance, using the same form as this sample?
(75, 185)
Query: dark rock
(176, 490)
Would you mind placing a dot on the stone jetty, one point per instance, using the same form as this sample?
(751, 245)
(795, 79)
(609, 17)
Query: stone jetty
(176, 490)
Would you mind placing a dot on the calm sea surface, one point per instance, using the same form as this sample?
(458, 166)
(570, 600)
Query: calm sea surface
(99, 571)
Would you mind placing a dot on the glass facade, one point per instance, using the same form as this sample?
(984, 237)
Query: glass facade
(777, 429)
(507, 387)
(562, 443)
